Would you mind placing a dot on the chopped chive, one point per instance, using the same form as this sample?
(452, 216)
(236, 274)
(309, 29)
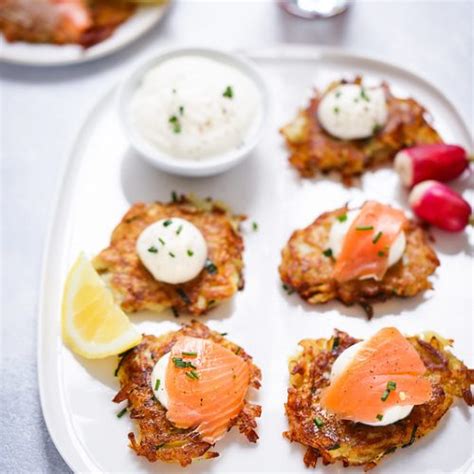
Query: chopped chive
(210, 267)
(254, 226)
(335, 343)
(338, 94)
(181, 110)
(224, 333)
(162, 242)
(342, 218)
(167, 222)
(365, 227)
(377, 237)
(153, 249)
(385, 395)
(179, 362)
(336, 110)
(176, 125)
(192, 375)
(334, 446)
(229, 93)
(318, 422)
(122, 412)
(171, 254)
(381, 253)
(288, 289)
(391, 385)
(190, 253)
(174, 196)
(157, 384)
(363, 95)
(189, 354)
(379, 417)
(327, 253)
(178, 231)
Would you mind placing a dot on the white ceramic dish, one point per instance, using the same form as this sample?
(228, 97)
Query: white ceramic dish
(54, 55)
(182, 167)
(104, 177)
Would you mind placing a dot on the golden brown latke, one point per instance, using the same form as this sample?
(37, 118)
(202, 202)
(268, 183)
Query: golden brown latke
(134, 286)
(305, 268)
(313, 150)
(105, 15)
(157, 438)
(355, 444)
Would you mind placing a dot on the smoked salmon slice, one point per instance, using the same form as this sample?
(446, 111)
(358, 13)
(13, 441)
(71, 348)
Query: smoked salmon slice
(385, 372)
(206, 385)
(366, 245)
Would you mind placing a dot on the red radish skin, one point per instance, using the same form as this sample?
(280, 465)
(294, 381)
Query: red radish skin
(439, 205)
(438, 161)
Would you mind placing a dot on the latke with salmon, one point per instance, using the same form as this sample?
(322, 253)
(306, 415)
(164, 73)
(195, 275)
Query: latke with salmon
(328, 436)
(207, 380)
(313, 150)
(309, 266)
(135, 287)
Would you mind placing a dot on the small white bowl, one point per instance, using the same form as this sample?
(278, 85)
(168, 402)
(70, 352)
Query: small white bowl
(163, 160)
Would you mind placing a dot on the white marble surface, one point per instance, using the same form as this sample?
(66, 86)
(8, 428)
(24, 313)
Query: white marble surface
(42, 110)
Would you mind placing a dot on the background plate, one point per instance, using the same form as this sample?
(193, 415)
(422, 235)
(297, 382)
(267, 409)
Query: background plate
(54, 55)
(104, 177)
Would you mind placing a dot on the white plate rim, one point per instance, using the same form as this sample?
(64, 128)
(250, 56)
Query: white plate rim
(149, 16)
(58, 425)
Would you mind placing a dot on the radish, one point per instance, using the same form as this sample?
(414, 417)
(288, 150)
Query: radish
(437, 161)
(439, 205)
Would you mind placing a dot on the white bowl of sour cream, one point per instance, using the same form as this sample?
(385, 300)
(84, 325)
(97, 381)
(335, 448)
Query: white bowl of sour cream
(194, 111)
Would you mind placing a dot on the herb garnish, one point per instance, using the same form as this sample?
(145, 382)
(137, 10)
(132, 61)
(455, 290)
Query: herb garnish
(342, 218)
(229, 93)
(192, 375)
(157, 384)
(376, 129)
(189, 354)
(363, 95)
(336, 110)
(365, 227)
(288, 289)
(335, 343)
(379, 417)
(162, 242)
(171, 254)
(318, 422)
(179, 362)
(381, 253)
(122, 412)
(338, 94)
(327, 253)
(180, 228)
(153, 249)
(210, 267)
(377, 237)
(224, 334)
(167, 222)
(176, 125)
(391, 386)
(190, 253)
(254, 226)
(181, 110)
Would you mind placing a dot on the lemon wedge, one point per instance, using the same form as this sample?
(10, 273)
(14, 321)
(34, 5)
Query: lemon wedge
(93, 326)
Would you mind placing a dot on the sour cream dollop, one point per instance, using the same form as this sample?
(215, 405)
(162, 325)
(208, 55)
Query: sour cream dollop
(173, 250)
(390, 415)
(195, 108)
(339, 230)
(352, 111)
(158, 380)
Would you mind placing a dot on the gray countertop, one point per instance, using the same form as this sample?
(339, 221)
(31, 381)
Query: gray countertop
(43, 108)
